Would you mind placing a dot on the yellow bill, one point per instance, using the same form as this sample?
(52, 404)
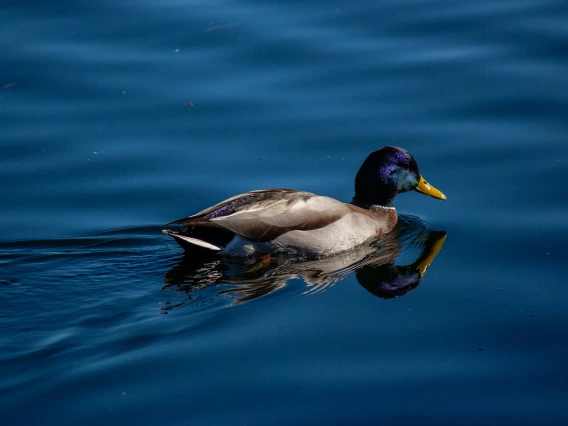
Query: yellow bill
(428, 189)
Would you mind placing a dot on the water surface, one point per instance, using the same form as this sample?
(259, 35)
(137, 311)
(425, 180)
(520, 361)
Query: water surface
(118, 117)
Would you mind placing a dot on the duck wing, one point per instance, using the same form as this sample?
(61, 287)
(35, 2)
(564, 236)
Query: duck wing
(264, 215)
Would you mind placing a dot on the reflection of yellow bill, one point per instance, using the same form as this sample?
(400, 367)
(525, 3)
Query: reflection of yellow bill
(423, 267)
(428, 189)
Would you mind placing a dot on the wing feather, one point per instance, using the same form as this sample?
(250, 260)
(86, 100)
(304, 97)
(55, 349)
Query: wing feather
(264, 215)
(270, 220)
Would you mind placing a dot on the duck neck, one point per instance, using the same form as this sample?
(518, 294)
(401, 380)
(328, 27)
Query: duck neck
(367, 196)
(368, 205)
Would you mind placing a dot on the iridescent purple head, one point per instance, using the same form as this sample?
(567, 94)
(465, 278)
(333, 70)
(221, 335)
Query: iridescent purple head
(386, 173)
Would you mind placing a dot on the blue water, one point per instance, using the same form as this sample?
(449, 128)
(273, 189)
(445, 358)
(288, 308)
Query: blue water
(117, 117)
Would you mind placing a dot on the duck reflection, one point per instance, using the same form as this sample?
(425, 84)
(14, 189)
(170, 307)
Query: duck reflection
(389, 267)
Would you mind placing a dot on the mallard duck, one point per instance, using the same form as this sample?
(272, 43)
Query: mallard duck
(274, 220)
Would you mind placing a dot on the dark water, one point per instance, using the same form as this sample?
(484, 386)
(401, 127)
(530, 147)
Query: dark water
(117, 117)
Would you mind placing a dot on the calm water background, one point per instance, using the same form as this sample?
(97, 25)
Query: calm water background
(119, 116)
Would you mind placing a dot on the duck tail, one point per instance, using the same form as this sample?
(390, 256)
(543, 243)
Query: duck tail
(190, 243)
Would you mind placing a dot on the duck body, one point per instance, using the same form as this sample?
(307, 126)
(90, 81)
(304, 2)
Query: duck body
(282, 220)
(276, 220)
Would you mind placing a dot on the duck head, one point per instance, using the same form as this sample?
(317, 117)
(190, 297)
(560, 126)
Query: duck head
(386, 173)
